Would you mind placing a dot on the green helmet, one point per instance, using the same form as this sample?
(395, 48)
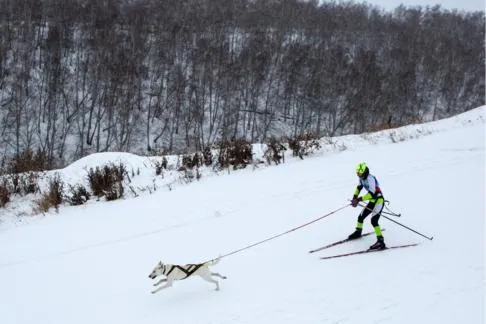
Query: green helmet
(361, 168)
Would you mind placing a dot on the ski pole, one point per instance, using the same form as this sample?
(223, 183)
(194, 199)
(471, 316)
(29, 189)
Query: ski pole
(383, 212)
(390, 212)
(429, 238)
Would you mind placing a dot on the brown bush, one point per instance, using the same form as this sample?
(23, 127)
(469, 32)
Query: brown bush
(30, 183)
(55, 191)
(187, 162)
(4, 165)
(207, 156)
(107, 180)
(159, 166)
(43, 204)
(274, 151)
(389, 124)
(21, 184)
(79, 195)
(4, 196)
(190, 162)
(303, 144)
(379, 127)
(52, 197)
(29, 161)
(236, 153)
(26, 183)
(15, 182)
(197, 160)
(115, 192)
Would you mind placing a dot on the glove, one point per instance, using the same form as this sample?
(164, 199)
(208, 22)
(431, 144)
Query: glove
(355, 201)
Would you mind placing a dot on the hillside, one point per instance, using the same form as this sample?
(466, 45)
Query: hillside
(89, 264)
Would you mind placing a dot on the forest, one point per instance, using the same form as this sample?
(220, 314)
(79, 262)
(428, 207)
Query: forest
(175, 76)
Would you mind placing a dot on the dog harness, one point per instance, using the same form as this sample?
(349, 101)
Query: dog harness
(191, 268)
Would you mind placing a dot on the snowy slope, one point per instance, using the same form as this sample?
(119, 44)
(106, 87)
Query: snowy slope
(89, 264)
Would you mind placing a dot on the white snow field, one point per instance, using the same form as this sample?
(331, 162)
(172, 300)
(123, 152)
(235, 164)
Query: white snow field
(90, 264)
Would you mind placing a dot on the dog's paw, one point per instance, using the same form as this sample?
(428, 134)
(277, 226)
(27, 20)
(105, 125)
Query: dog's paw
(153, 292)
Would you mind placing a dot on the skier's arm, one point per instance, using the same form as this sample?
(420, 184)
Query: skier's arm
(357, 191)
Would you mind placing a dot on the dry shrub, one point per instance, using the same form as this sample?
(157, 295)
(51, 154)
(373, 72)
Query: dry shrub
(189, 167)
(186, 163)
(52, 197)
(116, 191)
(4, 196)
(304, 144)
(190, 162)
(4, 162)
(380, 127)
(160, 166)
(78, 195)
(26, 183)
(189, 175)
(43, 204)
(236, 153)
(389, 124)
(165, 163)
(207, 156)
(197, 160)
(274, 151)
(29, 161)
(30, 183)
(21, 184)
(107, 181)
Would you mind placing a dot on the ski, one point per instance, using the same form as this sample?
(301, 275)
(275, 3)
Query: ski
(367, 251)
(340, 242)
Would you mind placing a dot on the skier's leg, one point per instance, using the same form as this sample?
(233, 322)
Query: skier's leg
(359, 224)
(380, 241)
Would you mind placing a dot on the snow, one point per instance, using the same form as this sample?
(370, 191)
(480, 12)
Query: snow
(90, 263)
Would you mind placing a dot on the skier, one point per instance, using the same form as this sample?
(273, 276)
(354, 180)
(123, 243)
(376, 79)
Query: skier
(374, 207)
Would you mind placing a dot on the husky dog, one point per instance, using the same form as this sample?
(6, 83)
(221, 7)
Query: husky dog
(179, 272)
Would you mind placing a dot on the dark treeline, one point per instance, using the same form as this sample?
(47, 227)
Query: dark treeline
(84, 76)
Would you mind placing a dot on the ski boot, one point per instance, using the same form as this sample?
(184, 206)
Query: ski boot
(379, 245)
(356, 234)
